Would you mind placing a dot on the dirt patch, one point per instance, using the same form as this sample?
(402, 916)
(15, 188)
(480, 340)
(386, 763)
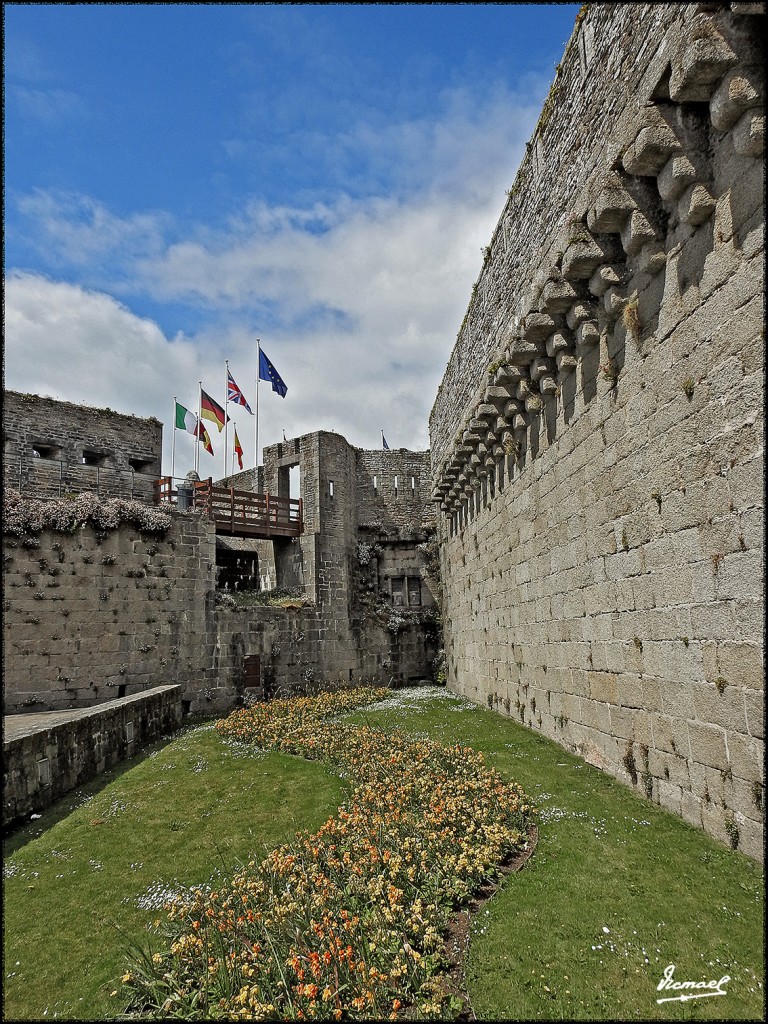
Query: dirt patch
(459, 930)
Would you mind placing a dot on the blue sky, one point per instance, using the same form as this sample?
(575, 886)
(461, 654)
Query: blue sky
(184, 179)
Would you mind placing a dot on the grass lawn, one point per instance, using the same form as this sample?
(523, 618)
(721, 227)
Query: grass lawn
(616, 891)
(90, 874)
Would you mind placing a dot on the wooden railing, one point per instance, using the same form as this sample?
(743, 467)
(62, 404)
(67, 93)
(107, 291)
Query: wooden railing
(240, 513)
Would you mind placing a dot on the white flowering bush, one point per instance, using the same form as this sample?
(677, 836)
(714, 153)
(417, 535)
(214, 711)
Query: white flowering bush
(23, 516)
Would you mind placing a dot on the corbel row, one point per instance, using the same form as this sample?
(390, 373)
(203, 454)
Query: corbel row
(662, 180)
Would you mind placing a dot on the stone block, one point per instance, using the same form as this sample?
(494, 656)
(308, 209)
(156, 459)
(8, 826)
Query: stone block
(699, 64)
(581, 259)
(739, 91)
(587, 335)
(522, 352)
(749, 134)
(676, 176)
(636, 233)
(651, 149)
(556, 296)
(746, 757)
(725, 709)
(580, 312)
(603, 687)
(741, 663)
(708, 745)
(696, 205)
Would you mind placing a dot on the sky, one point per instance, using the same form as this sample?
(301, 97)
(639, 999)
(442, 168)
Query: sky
(187, 182)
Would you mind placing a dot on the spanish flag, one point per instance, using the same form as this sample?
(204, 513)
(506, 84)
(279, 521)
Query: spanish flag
(238, 449)
(211, 410)
(202, 435)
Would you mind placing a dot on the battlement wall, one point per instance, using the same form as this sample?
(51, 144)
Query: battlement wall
(53, 448)
(597, 440)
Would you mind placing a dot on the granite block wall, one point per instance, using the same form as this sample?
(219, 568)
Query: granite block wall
(45, 760)
(597, 441)
(53, 448)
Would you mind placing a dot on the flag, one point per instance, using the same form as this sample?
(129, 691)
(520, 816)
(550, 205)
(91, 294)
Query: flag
(211, 410)
(384, 444)
(202, 435)
(234, 394)
(268, 372)
(238, 449)
(185, 420)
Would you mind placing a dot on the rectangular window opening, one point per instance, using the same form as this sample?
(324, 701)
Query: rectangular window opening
(91, 458)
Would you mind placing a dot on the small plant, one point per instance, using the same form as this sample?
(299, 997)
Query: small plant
(732, 831)
(687, 387)
(624, 541)
(631, 319)
(721, 684)
(757, 795)
(628, 760)
(638, 643)
(685, 640)
(610, 372)
(656, 495)
(108, 560)
(716, 559)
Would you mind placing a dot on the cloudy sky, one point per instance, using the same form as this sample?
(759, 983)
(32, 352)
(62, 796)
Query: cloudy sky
(182, 180)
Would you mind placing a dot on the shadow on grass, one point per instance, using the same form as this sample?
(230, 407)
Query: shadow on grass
(17, 834)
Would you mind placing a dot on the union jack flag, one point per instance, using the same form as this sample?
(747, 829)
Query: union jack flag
(234, 394)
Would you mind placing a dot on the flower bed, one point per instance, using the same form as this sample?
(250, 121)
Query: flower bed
(346, 922)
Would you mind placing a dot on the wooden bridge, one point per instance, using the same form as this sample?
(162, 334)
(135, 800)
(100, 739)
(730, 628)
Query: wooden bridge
(236, 513)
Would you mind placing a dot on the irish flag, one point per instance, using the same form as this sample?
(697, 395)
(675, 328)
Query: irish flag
(185, 420)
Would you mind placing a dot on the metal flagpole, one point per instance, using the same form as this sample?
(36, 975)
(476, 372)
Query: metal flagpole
(199, 424)
(173, 447)
(258, 367)
(226, 400)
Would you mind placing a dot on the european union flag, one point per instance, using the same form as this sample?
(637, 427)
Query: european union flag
(268, 372)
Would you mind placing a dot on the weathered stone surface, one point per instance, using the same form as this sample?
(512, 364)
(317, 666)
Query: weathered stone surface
(650, 151)
(538, 327)
(700, 62)
(556, 296)
(738, 92)
(749, 134)
(632, 594)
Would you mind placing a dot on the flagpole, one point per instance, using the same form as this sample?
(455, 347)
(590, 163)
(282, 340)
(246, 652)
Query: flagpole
(199, 424)
(173, 446)
(258, 367)
(226, 400)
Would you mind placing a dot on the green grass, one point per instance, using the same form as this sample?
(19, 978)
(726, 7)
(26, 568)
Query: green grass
(72, 878)
(605, 859)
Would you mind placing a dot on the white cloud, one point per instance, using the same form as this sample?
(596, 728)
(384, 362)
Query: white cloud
(357, 301)
(77, 230)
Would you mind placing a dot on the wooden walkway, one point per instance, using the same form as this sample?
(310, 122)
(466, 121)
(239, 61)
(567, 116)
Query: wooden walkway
(235, 513)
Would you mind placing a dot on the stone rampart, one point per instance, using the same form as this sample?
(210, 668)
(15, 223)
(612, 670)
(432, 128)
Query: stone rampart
(54, 448)
(48, 755)
(597, 441)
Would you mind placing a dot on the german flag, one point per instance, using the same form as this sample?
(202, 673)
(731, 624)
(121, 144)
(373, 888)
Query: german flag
(211, 410)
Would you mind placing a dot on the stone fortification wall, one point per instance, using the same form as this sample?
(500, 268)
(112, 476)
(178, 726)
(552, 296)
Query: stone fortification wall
(54, 448)
(597, 441)
(91, 617)
(393, 489)
(45, 757)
